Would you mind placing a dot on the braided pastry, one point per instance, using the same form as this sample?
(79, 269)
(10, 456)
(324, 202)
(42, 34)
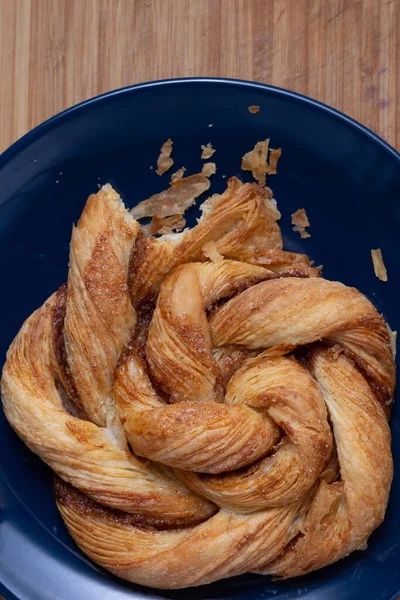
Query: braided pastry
(205, 419)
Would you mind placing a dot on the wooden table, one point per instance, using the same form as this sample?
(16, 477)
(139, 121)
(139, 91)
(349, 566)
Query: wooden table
(55, 53)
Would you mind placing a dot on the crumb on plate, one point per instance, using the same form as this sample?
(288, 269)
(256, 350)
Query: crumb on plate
(175, 200)
(253, 109)
(178, 174)
(209, 169)
(300, 222)
(256, 161)
(207, 151)
(164, 161)
(379, 265)
(274, 156)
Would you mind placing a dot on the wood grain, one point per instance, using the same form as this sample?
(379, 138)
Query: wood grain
(55, 53)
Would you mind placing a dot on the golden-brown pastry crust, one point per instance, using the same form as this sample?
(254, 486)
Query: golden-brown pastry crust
(205, 418)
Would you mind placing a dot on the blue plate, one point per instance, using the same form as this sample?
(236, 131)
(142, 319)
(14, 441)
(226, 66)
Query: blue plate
(348, 180)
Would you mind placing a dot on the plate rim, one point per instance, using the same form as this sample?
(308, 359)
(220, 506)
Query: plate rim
(19, 144)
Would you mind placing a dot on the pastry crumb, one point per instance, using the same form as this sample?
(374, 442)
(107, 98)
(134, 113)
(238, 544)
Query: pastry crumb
(207, 151)
(253, 109)
(166, 225)
(175, 200)
(210, 251)
(274, 157)
(178, 174)
(164, 161)
(257, 162)
(379, 265)
(209, 169)
(300, 222)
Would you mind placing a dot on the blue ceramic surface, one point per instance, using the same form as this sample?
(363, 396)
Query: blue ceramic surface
(347, 179)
